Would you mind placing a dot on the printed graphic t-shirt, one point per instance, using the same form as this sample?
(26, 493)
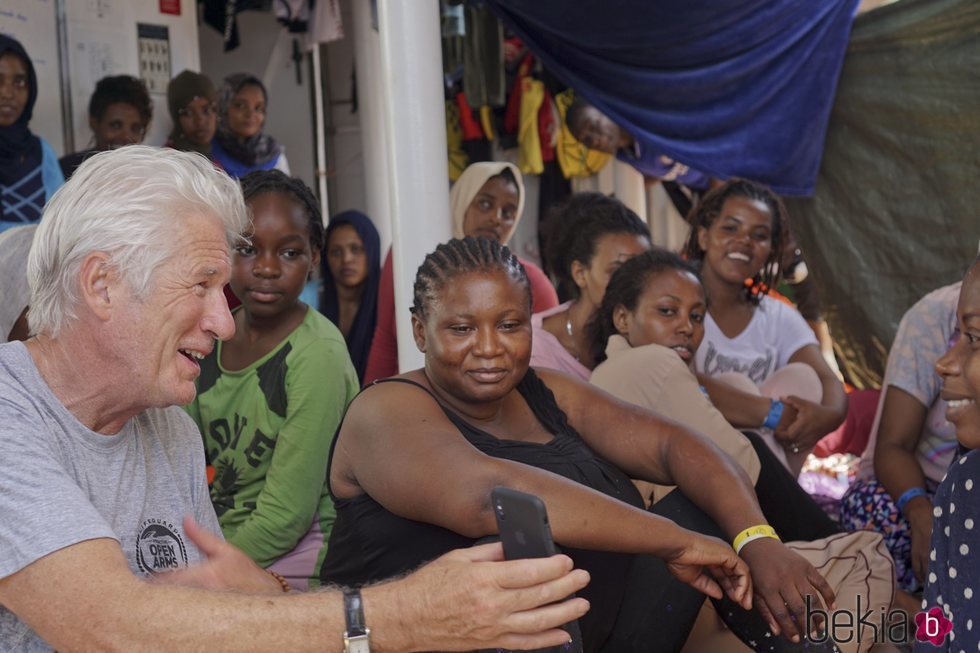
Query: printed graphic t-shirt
(267, 430)
(775, 332)
(61, 484)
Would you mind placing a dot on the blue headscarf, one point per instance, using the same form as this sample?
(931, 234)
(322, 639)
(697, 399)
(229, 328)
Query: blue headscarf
(362, 329)
(20, 150)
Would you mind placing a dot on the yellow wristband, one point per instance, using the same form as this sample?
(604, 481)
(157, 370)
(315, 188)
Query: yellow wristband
(753, 533)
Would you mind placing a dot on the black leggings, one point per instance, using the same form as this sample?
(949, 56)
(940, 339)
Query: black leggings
(788, 509)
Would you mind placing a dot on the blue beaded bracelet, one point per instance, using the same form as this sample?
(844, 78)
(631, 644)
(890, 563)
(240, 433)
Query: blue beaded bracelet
(775, 412)
(908, 495)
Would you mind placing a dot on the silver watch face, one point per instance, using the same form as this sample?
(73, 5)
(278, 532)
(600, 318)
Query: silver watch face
(358, 644)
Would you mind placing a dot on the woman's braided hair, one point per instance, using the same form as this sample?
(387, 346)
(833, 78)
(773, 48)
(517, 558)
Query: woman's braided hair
(459, 256)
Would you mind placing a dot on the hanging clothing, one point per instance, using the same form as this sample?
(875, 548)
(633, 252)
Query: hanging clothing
(318, 20)
(362, 329)
(29, 171)
(483, 58)
(528, 140)
(222, 15)
(240, 156)
(181, 91)
(458, 159)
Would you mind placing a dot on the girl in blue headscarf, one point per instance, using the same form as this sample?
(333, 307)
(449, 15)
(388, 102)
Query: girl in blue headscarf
(351, 271)
(240, 145)
(29, 171)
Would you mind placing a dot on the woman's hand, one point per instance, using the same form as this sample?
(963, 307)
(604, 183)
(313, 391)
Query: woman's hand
(783, 579)
(810, 422)
(710, 566)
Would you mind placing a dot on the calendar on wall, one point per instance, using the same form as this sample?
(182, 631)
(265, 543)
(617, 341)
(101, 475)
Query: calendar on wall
(153, 42)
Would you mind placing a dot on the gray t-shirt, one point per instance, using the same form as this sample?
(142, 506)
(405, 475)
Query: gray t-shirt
(61, 484)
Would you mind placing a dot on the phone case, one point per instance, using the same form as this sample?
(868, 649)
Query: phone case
(522, 522)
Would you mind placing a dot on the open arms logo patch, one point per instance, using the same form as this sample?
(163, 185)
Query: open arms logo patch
(159, 547)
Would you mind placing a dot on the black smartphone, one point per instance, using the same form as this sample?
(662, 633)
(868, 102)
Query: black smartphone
(522, 522)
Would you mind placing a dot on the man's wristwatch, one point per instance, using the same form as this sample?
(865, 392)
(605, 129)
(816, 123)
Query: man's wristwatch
(357, 634)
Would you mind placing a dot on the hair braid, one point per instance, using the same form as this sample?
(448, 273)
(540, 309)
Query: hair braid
(459, 256)
(275, 181)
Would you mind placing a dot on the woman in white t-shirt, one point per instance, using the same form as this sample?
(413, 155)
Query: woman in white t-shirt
(753, 342)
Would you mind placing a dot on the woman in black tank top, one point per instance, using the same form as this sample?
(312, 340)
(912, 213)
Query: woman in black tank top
(416, 457)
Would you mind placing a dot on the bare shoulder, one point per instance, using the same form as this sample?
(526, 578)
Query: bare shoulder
(391, 403)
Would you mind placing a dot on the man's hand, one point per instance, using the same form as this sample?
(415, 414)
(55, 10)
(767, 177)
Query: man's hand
(472, 599)
(782, 581)
(227, 567)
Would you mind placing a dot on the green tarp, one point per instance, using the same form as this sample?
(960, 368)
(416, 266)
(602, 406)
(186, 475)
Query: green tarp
(896, 211)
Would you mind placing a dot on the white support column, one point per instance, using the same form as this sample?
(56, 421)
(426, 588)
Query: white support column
(321, 138)
(415, 132)
(367, 63)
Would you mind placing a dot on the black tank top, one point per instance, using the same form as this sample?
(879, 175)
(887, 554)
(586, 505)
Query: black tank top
(368, 543)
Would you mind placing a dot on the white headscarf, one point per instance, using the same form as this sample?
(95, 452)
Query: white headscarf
(470, 183)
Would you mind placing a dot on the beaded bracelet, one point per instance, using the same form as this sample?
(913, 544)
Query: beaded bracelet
(908, 495)
(775, 413)
(753, 533)
(283, 583)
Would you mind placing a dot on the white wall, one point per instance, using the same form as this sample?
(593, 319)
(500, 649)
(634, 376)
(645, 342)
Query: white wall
(102, 40)
(345, 151)
(265, 51)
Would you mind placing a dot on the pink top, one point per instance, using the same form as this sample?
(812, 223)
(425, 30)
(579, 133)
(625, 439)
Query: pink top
(546, 351)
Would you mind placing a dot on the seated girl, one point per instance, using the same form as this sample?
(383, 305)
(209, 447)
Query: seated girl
(350, 271)
(953, 576)
(270, 399)
(912, 443)
(487, 200)
(119, 113)
(596, 235)
(753, 342)
(240, 146)
(415, 459)
(29, 172)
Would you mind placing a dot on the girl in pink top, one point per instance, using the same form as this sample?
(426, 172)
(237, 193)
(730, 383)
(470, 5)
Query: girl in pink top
(597, 234)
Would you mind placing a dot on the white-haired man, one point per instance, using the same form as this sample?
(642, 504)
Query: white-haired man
(102, 477)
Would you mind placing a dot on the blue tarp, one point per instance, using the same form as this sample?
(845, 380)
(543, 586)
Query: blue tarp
(730, 87)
